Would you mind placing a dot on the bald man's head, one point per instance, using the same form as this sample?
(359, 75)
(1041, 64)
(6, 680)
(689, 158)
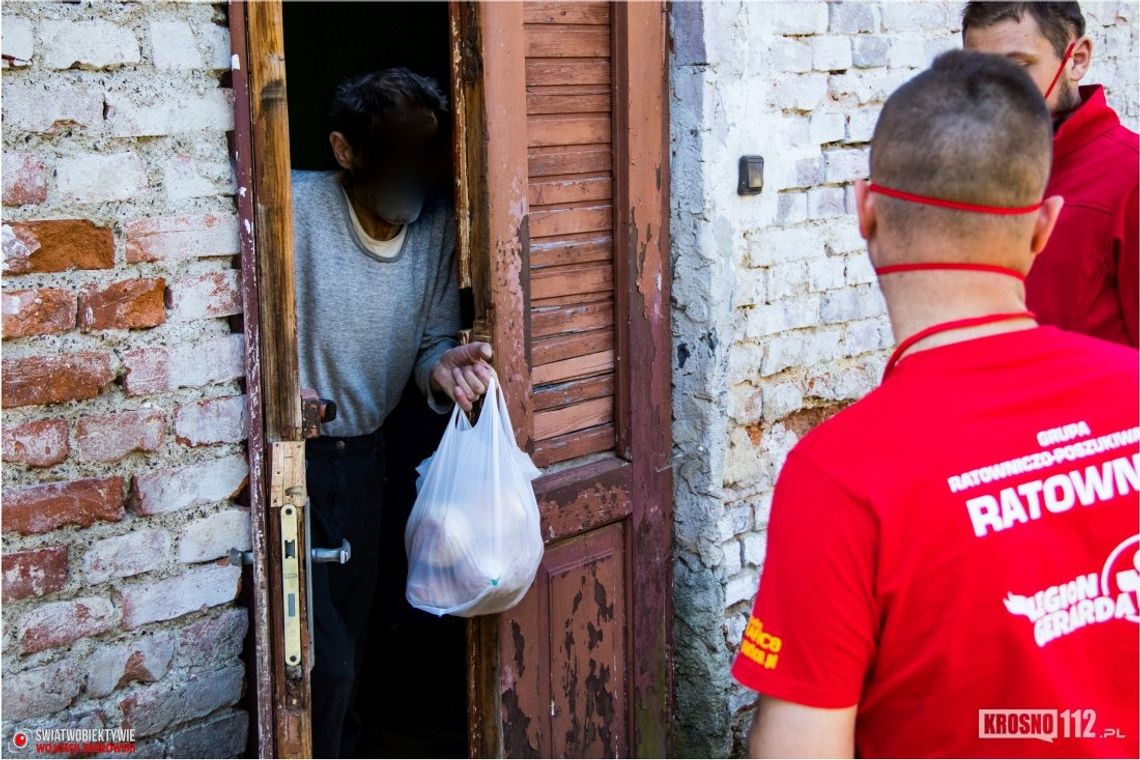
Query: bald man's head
(971, 128)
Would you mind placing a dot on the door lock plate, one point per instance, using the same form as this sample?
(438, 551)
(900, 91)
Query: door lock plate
(287, 496)
(291, 584)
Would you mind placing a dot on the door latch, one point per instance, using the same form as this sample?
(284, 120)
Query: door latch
(238, 557)
(287, 497)
(315, 411)
(339, 556)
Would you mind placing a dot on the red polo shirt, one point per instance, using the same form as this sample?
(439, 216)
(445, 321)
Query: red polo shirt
(961, 546)
(1087, 279)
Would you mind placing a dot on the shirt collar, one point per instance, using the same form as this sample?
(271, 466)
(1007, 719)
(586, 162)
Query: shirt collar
(1091, 119)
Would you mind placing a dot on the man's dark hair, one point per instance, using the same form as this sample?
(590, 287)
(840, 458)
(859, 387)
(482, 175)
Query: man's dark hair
(973, 128)
(1061, 23)
(370, 107)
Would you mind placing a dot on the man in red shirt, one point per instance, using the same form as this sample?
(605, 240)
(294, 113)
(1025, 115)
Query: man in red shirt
(953, 561)
(1088, 278)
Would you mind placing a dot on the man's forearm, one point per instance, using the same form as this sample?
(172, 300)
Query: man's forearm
(787, 729)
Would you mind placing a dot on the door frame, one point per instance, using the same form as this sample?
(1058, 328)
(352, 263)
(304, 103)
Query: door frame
(644, 354)
(492, 218)
(281, 692)
(242, 154)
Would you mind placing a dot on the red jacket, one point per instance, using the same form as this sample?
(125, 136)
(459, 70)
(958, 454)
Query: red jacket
(1088, 278)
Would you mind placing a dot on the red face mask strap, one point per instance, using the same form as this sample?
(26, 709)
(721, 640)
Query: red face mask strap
(1061, 68)
(950, 266)
(955, 324)
(927, 200)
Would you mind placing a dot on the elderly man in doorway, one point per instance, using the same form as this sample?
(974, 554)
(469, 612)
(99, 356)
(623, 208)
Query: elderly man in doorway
(377, 303)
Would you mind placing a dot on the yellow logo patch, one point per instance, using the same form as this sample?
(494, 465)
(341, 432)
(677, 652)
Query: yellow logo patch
(760, 646)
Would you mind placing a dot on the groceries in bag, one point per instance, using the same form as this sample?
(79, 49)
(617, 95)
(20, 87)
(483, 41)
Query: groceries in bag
(473, 538)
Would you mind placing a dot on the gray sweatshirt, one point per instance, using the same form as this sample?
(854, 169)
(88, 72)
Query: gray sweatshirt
(365, 324)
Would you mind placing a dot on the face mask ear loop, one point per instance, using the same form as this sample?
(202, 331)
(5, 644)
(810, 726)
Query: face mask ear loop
(919, 266)
(1061, 68)
(955, 324)
(956, 205)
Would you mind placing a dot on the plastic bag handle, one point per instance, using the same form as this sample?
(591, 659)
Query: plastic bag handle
(497, 411)
(457, 423)
(502, 422)
(500, 419)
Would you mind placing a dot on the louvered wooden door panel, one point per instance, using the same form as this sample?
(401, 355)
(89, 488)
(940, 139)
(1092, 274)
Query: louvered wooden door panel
(569, 264)
(569, 98)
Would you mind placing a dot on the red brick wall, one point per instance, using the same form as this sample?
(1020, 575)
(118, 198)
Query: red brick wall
(123, 410)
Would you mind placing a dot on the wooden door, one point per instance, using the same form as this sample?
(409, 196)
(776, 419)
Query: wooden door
(564, 174)
(278, 419)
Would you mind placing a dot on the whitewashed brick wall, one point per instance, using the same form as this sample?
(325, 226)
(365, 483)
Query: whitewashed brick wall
(124, 417)
(777, 319)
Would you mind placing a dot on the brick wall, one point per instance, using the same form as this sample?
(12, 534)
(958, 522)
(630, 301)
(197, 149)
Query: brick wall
(777, 320)
(124, 419)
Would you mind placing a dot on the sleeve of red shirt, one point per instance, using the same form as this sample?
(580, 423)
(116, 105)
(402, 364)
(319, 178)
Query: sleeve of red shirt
(1128, 264)
(811, 637)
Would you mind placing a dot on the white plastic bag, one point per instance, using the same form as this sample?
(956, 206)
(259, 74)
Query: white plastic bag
(473, 538)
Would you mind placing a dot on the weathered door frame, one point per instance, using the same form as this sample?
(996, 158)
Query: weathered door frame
(491, 219)
(276, 428)
(489, 88)
(645, 353)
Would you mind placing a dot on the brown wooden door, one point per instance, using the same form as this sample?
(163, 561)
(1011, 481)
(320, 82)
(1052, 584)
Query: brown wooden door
(277, 423)
(564, 172)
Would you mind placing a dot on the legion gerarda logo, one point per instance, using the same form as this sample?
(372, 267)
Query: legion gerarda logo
(1088, 599)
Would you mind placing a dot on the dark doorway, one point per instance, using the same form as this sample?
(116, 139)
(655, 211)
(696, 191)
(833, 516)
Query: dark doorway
(326, 42)
(412, 695)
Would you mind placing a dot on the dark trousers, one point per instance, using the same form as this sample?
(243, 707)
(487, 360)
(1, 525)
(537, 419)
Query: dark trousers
(345, 482)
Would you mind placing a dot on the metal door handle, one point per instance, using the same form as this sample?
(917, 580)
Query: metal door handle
(339, 556)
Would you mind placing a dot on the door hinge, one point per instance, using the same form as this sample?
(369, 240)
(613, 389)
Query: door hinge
(287, 496)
